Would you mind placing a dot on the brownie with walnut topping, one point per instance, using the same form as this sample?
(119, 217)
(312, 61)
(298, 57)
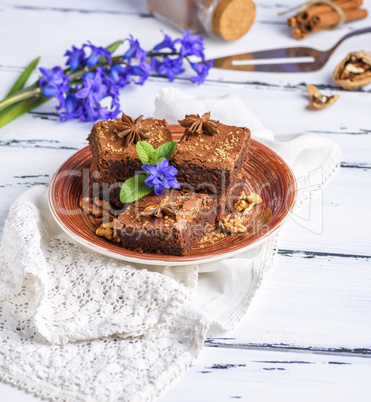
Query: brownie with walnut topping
(170, 223)
(210, 160)
(112, 160)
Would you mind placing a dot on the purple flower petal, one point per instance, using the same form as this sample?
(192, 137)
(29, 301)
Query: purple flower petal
(166, 43)
(159, 189)
(76, 58)
(161, 176)
(134, 50)
(96, 54)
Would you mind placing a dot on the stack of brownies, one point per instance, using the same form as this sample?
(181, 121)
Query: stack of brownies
(209, 159)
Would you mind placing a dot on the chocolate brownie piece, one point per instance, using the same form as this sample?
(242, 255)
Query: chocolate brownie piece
(210, 163)
(168, 224)
(113, 160)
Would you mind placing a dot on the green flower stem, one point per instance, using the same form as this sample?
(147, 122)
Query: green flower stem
(19, 96)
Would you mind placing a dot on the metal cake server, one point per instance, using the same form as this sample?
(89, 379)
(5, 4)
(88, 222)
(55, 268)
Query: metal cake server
(298, 59)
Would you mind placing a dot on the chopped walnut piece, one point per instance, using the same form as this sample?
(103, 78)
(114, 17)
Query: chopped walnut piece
(319, 101)
(106, 230)
(90, 208)
(246, 203)
(254, 198)
(102, 204)
(354, 71)
(233, 225)
(241, 205)
(101, 210)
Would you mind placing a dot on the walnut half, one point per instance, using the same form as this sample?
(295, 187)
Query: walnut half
(232, 225)
(106, 230)
(354, 71)
(101, 210)
(245, 204)
(319, 101)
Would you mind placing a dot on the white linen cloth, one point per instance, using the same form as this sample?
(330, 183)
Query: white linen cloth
(78, 326)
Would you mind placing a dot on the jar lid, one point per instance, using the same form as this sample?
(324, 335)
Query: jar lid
(231, 19)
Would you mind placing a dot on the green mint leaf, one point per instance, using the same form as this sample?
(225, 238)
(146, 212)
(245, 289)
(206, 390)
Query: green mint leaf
(166, 150)
(145, 151)
(134, 188)
(153, 160)
(21, 81)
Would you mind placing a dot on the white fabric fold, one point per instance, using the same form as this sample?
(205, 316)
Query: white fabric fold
(133, 328)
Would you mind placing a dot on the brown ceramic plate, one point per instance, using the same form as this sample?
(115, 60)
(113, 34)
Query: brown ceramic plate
(266, 174)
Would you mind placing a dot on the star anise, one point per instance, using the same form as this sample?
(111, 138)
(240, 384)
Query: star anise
(164, 208)
(130, 130)
(196, 124)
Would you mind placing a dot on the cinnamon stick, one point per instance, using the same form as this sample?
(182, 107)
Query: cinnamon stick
(299, 34)
(322, 16)
(318, 9)
(292, 22)
(327, 20)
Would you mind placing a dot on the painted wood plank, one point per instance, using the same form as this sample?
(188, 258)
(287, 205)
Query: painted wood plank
(306, 301)
(88, 6)
(227, 375)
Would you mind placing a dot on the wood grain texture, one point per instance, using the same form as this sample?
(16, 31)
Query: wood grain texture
(309, 324)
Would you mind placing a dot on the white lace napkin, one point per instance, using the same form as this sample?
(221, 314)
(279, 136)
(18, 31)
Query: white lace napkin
(78, 326)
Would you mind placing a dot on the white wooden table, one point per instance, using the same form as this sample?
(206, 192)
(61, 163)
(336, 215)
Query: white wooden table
(307, 334)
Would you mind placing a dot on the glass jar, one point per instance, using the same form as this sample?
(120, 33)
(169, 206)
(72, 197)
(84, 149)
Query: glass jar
(227, 19)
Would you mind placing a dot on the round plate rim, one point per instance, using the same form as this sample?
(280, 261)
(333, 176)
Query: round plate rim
(170, 260)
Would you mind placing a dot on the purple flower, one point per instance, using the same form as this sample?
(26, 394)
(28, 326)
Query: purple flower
(76, 58)
(86, 104)
(202, 70)
(120, 75)
(107, 81)
(161, 176)
(166, 43)
(107, 114)
(171, 67)
(143, 71)
(134, 50)
(89, 113)
(192, 45)
(94, 112)
(55, 83)
(93, 89)
(55, 74)
(73, 108)
(96, 54)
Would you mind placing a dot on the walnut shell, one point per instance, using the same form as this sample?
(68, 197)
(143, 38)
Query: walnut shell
(319, 101)
(354, 81)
